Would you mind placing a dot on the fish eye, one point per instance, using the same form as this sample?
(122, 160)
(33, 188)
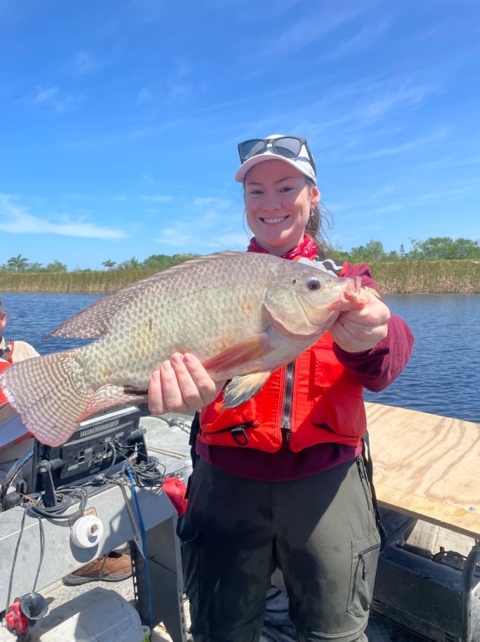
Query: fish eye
(314, 283)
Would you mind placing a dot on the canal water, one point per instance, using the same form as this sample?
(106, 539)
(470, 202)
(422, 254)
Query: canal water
(443, 376)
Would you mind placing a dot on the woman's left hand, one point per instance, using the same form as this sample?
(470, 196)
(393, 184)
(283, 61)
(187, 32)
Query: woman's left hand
(181, 384)
(361, 329)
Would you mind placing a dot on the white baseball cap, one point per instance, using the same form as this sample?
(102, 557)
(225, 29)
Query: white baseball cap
(290, 149)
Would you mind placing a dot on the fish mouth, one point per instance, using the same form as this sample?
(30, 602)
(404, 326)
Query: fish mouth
(273, 220)
(319, 320)
(353, 289)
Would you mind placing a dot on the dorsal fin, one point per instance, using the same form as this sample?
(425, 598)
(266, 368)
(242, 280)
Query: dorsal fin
(95, 320)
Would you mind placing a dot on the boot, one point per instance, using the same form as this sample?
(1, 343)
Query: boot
(113, 567)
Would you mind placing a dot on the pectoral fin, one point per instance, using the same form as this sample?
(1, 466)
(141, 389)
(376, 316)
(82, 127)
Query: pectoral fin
(242, 388)
(239, 354)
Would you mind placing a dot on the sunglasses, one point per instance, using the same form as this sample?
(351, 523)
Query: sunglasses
(286, 146)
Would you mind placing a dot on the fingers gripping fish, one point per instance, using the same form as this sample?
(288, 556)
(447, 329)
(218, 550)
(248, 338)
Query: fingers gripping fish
(242, 314)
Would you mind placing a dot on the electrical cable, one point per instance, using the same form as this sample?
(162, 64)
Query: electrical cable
(183, 424)
(65, 498)
(136, 474)
(42, 551)
(144, 543)
(14, 561)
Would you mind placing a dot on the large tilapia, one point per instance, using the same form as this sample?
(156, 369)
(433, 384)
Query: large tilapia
(242, 314)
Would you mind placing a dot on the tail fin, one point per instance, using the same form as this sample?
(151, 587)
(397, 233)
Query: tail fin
(50, 393)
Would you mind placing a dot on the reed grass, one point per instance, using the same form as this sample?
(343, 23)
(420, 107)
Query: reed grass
(427, 277)
(396, 277)
(90, 282)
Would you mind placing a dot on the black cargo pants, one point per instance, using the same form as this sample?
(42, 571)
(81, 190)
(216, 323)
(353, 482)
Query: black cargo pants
(319, 530)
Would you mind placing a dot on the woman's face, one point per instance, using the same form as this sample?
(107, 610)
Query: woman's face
(278, 202)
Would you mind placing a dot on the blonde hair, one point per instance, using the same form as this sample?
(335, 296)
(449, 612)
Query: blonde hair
(319, 219)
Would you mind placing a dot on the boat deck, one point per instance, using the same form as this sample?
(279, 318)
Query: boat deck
(167, 439)
(403, 469)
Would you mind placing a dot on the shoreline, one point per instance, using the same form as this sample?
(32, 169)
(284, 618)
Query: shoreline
(396, 277)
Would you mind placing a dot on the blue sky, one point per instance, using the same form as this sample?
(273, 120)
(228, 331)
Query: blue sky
(119, 120)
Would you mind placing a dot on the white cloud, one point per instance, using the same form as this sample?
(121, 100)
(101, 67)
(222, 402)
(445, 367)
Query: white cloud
(180, 85)
(388, 209)
(17, 219)
(54, 98)
(214, 229)
(145, 95)
(221, 203)
(156, 198)
(361, 40)
(405, 96)
(45, 94)
(229, 241)
(75, 196)
(451, 161)
(83, 63)
(182, 238)
(307, 30)
(404, 147)
(140, 132)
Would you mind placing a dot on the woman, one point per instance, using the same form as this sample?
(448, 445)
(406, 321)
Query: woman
(280, 480)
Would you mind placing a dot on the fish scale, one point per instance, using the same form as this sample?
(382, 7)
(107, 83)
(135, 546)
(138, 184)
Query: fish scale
(242, 314)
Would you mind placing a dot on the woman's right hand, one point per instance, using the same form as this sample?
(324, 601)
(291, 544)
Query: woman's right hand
(181, 384)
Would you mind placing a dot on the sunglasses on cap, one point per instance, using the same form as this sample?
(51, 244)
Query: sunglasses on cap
(286, 146)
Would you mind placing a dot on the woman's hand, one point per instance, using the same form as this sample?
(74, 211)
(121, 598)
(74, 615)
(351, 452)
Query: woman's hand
(181, 384)
(361, 329)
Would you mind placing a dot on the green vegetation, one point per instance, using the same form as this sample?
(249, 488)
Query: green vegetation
(156, 262)
(433, 249)
(434, 266)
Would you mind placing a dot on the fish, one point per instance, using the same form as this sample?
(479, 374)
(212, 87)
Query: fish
(242, 314)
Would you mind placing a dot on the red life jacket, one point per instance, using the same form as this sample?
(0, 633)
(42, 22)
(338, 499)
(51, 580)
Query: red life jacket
(315, 400)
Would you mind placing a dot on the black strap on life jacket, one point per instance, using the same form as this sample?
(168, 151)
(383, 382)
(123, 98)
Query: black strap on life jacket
(192, 441)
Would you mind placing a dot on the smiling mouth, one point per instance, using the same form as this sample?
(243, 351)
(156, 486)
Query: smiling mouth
(274, 221)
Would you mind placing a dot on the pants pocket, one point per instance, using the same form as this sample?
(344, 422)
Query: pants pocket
(365, 552)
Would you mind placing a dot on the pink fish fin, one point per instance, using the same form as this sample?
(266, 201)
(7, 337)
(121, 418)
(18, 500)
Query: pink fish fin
(113, 395)
(242, 387)
(239, 354)
(49, 393)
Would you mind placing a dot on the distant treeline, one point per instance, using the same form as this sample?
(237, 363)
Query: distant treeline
(392, 277)
(433, 249)
(434, 266)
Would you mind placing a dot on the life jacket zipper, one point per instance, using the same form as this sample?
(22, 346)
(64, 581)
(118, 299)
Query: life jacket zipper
(288, 401)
